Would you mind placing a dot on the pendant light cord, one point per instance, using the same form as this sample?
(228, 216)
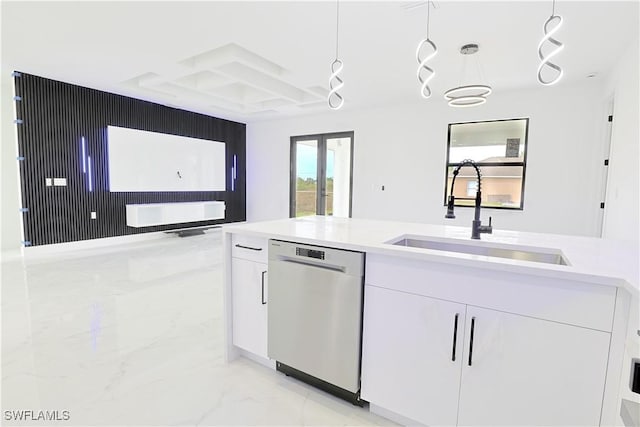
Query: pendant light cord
(553, 8)
(462, 70)
(337, 24)
(428, 18)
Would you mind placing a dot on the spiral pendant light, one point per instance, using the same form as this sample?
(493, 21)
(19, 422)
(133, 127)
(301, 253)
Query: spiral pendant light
(427, 48)
(550, 27)
(334, 99)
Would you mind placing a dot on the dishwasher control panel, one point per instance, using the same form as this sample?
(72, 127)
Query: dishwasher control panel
(309, 253)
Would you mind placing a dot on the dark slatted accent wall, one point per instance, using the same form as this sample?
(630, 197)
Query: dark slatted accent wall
(57, 115)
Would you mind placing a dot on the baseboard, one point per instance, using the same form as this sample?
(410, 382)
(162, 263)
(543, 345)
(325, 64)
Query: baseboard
(261, 360)
(68, 248)
(11, 255)
(390, 415)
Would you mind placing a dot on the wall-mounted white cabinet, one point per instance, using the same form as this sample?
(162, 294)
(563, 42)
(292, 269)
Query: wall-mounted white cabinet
(141, 161)
(146, 215)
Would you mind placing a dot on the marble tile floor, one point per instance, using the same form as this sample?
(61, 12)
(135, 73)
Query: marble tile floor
(132, 335)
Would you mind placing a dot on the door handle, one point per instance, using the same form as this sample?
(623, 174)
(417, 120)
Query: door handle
(331, 267)
(455, 337)
(473, 324)
(262, 299)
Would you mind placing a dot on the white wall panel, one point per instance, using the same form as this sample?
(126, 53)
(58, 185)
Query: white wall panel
(622, 208)
(150, 161)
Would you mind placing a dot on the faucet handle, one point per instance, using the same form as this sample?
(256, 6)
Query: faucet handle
(487, 228)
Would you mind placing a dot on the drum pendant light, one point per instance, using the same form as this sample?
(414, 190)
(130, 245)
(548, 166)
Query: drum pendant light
(469, 95)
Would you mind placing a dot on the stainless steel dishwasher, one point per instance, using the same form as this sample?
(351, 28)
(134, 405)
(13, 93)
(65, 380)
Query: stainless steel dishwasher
(315, 315)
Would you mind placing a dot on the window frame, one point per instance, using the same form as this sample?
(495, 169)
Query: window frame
(523, 163)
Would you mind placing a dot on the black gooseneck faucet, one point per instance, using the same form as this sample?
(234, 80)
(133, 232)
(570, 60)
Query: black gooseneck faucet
(476, 225)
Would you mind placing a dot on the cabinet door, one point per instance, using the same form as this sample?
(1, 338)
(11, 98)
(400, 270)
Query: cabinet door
(525, 371)
(408, 361)
(249, 298)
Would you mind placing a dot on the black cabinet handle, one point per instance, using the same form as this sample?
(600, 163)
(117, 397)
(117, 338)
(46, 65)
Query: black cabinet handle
(473, 324)
(248, 247)
(262, 300)
(455, 337)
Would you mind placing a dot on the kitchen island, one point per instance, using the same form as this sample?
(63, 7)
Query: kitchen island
(517, 328)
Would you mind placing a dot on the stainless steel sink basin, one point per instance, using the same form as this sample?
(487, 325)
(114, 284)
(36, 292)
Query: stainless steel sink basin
(481, 249)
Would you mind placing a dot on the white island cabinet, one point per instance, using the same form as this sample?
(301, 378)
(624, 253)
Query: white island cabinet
(412, 355)
(453, 338)
(249, 289)
(530, 370)
(469, 348)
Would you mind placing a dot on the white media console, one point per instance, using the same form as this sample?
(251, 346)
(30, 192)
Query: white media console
(146, 215)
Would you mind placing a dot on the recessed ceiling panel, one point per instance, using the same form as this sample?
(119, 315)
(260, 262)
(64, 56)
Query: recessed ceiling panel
(231, 53)
(203, 80)
(257, 78)
(273, 103)
(241, 92)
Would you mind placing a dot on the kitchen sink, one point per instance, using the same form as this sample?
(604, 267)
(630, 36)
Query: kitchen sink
(484, 249)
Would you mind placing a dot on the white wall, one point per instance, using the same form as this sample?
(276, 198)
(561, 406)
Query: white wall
(622, 214)
(10, 226)
(403, 148)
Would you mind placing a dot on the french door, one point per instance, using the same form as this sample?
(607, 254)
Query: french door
(321, 174)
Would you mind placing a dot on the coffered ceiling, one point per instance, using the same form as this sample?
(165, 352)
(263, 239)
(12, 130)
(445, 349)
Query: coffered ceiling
(255, 60)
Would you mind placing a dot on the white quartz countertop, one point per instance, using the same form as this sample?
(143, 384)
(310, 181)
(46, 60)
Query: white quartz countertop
(593, 260)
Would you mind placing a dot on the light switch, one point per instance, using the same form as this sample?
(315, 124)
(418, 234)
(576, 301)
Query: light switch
(93, 215)
(48, 182)
(60, 182)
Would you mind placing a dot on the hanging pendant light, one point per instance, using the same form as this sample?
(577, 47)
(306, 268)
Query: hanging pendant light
(469, 95)
(425, 73)
(334, 99)
(545, 61)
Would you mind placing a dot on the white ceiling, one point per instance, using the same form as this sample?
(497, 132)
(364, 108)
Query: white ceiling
(253, 60)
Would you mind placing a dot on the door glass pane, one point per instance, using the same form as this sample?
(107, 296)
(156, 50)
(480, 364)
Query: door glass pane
(306, 177)
(338, 181)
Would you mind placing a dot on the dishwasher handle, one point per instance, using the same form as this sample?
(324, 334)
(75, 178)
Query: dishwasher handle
(330, 267)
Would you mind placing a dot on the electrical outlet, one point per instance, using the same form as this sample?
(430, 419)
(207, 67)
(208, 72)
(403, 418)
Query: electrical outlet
(48, 182)
(60, 182)
(93, 215)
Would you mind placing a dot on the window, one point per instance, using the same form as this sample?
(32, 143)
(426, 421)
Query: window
(499, 148)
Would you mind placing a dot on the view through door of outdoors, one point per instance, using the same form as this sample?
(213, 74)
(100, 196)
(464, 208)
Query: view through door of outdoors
(321, 178)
